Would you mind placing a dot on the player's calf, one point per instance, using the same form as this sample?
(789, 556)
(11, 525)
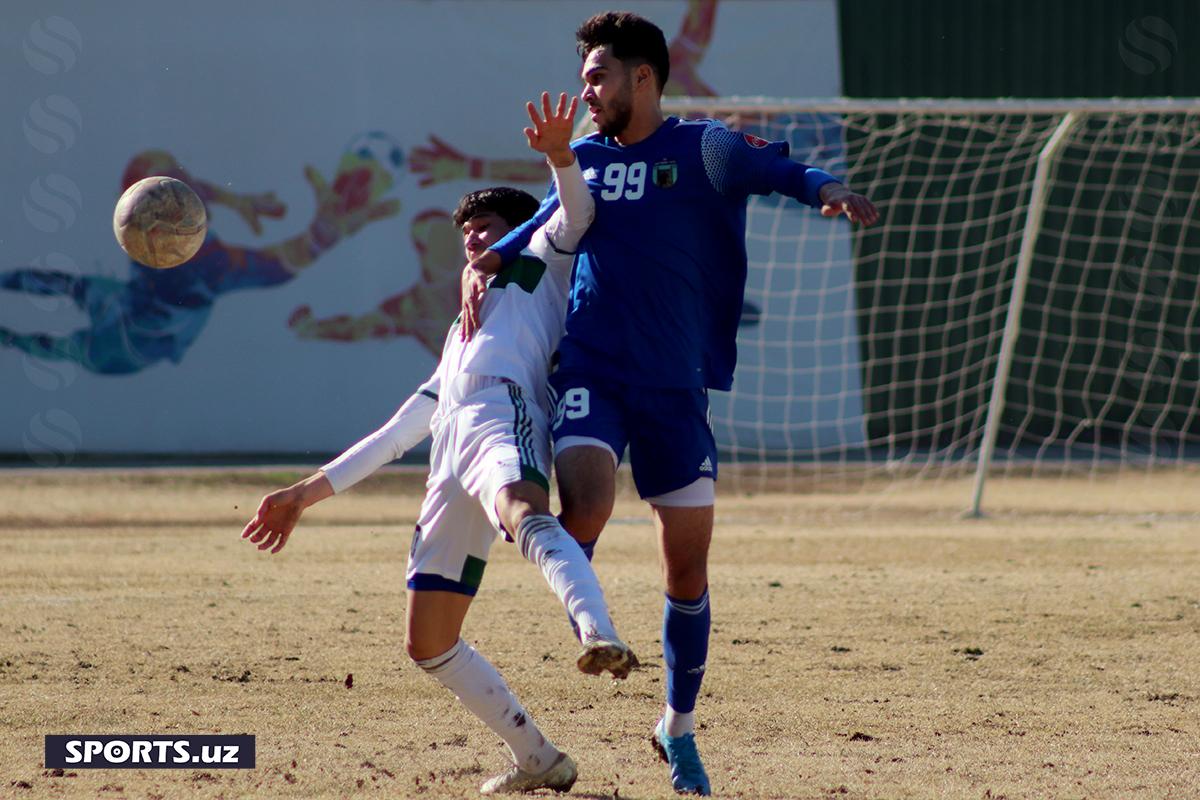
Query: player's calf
(587, 489)
(477, 684)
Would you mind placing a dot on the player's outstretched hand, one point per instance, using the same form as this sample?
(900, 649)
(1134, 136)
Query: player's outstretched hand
(275, 520)
(551, 131)
(279, 512)
(837, 199)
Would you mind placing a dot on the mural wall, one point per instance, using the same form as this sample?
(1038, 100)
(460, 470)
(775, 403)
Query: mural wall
(330, 144)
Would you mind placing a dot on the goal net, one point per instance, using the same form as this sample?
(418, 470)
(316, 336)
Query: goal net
(1027, 303)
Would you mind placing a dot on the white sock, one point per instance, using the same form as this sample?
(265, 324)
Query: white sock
(471, 677)
(543, 541)
(677, 724)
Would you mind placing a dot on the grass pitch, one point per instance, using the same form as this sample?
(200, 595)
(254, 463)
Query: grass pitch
(863, 646)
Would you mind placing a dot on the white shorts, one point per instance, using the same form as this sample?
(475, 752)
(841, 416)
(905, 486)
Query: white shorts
(495, 438)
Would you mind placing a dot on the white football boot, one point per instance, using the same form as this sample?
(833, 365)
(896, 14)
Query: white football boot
(602, 654)
(559, 776)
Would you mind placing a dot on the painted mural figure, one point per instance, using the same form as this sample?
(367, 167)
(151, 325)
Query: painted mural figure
(425, 309)
(156, 315)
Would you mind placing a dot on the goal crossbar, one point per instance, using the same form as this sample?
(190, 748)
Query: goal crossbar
(840, 105)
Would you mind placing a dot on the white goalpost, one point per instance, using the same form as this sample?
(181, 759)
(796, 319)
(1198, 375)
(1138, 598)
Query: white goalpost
(1029, 302)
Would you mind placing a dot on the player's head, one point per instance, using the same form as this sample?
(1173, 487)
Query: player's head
(626, 64)
(485, 216)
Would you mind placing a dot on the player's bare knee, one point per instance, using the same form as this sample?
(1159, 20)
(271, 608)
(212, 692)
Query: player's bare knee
(414, 650)
(685, 563)
(519, 500)
(584, 521)
(685, 581)
(584, 514)
(420, 648)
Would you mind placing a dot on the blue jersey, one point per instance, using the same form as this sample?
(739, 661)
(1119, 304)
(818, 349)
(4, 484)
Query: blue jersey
(659, 277)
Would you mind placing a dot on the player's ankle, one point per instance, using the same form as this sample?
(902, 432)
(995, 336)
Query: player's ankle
(676, 723)
(593, 627)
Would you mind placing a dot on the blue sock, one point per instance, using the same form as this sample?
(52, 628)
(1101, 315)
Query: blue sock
(685, 649)
(589, 548)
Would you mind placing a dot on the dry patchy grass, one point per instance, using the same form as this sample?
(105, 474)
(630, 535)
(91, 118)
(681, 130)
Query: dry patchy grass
(863, 646)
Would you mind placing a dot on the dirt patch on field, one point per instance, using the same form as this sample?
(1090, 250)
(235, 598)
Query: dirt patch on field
(864, 645)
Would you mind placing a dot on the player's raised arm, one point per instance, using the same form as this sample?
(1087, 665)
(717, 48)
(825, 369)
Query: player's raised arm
(549, 134)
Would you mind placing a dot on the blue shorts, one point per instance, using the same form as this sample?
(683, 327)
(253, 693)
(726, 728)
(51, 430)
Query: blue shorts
(670, 441)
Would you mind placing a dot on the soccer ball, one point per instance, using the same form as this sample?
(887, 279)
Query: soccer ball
(160, 222)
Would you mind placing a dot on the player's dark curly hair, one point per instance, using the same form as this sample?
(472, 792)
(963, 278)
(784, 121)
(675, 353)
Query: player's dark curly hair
(512, 205)
(634, 40)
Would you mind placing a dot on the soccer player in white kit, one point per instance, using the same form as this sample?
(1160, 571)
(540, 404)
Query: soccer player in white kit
(486, 405)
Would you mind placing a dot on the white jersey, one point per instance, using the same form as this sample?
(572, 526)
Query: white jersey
(521, 323)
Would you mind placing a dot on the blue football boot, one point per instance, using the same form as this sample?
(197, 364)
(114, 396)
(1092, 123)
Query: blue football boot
(679, 752)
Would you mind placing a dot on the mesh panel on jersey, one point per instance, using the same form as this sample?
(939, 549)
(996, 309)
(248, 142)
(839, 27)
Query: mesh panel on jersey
(715, 145)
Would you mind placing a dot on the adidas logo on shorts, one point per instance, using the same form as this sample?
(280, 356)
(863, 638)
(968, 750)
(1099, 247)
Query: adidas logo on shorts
(706, 465)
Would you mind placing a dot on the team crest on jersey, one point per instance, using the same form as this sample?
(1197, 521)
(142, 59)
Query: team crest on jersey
(665, 174)
(754, 141)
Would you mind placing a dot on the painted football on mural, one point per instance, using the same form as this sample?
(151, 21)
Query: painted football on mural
(160, 222)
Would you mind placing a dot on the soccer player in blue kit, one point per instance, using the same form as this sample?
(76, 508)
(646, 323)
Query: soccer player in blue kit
(651, 325)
